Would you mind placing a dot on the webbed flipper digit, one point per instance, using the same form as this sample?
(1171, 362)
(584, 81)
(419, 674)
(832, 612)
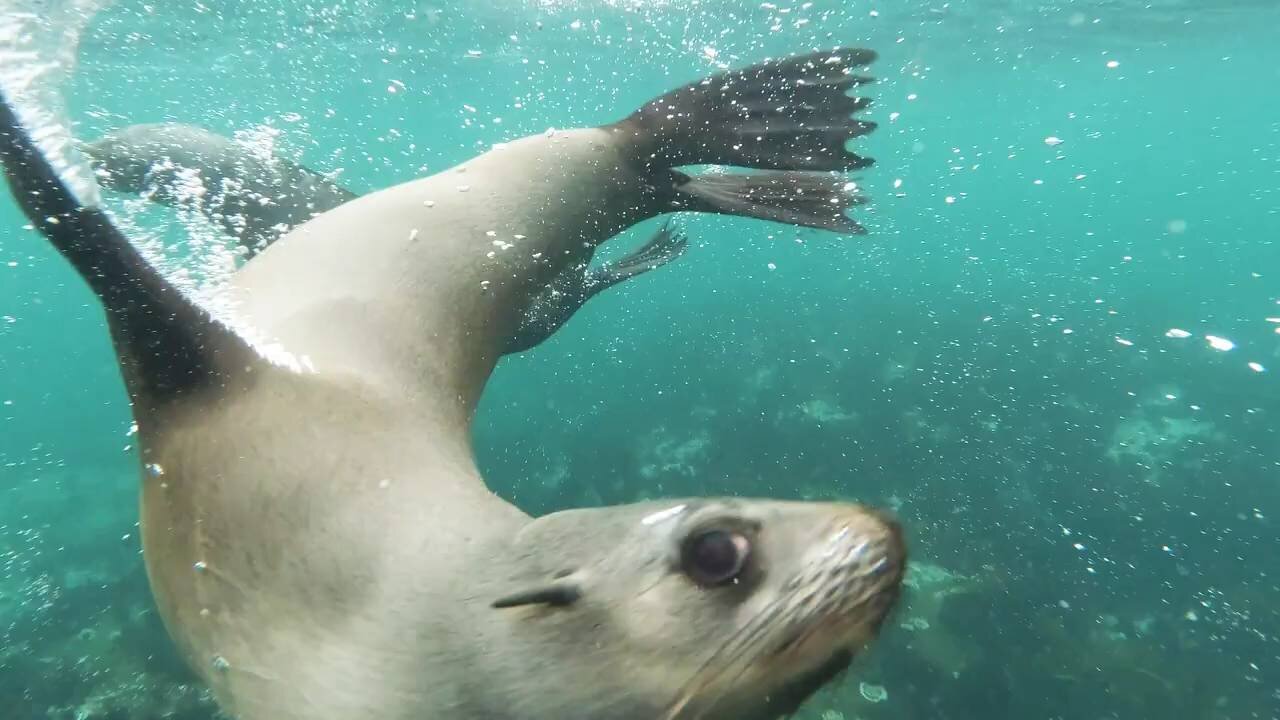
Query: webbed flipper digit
(790, 119)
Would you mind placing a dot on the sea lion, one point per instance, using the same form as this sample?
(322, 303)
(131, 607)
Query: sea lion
(253, 194)
(256, 196)
(319, 541)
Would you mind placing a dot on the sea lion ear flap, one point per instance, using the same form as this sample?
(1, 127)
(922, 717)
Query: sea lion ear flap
(553, 570)
(557, 593)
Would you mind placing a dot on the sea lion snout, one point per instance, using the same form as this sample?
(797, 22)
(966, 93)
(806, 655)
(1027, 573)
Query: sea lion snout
(850, 578)
(865, 543)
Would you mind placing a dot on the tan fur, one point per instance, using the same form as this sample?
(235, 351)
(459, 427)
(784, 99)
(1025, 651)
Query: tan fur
(318, 537)
(300, 525)
(322, 546)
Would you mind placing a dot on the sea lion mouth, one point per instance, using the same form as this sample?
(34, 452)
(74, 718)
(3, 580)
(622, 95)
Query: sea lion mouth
(787, 700)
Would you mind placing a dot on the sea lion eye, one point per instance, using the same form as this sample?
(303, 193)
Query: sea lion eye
(715, 557)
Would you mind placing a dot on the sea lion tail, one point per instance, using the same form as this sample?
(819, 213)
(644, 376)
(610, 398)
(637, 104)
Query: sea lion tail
(164, 340)
(666, 245)
(791, 114)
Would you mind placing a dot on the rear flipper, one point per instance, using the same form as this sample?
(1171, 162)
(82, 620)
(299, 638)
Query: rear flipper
(666, 245)
(551, 308)
(791, 115)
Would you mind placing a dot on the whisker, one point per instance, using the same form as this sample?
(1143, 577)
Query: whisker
(738, 647)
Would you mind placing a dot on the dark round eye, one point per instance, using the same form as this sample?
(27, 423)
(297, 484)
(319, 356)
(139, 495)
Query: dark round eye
(715, 557)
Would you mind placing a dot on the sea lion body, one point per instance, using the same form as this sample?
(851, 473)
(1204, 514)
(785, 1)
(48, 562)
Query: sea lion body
(319, 540)
(437, 337)
(256, 197)
(493, 230)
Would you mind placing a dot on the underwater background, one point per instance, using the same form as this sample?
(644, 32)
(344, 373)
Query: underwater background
(1054, 356)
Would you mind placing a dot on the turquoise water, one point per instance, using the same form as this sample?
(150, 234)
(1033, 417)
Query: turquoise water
(1061, 187)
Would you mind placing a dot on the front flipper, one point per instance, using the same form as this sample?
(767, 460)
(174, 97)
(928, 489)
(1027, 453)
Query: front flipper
(572, 288)
(167, 345)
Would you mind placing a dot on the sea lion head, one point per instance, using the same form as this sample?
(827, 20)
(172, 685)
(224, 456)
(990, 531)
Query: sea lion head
(700, 609)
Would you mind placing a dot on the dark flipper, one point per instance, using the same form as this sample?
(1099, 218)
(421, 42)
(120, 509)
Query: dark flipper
(550, 309)
(790, 116)
(167, 345)
(571, 289)
(666, 245)
(812, 199)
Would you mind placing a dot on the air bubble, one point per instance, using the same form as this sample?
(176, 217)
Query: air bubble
(1219, 343)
